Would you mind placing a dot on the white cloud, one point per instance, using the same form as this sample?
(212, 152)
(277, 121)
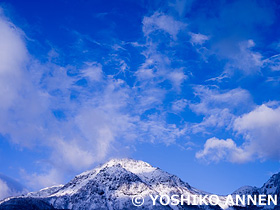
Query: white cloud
(158, 67)
(13, 57)
(273, 62)
(69, 154)
(4, 190)
(179, 105)
(242, 56)
(156, 130)
(177, 77)
(93, 72)
(160, 21)
(9, 187)
(260, 129)
(219, 107)
(213, 98)
(217, 119)
(51, 177)
(245, 59)
(198, 39)
(22, 103)
(218, 149)
(149, 98)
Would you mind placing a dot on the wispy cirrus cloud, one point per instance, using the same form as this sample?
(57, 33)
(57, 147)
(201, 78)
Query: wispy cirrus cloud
(246, 60)
(79, 114)
(235, 41)
(162, 22)
(219, 107)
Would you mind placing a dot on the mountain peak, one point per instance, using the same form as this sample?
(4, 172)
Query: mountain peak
(246, 190)
(272, 186)
(276, 177)
(137, 167)
(134, 166)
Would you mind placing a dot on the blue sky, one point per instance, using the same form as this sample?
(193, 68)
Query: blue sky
(189, 86)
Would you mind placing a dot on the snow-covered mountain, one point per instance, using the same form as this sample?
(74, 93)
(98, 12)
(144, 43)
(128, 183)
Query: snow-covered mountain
(113, 185)
(271, 187)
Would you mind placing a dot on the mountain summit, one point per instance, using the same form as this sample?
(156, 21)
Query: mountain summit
(114, 184)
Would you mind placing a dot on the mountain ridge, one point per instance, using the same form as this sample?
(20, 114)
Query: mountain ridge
(113, 185)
